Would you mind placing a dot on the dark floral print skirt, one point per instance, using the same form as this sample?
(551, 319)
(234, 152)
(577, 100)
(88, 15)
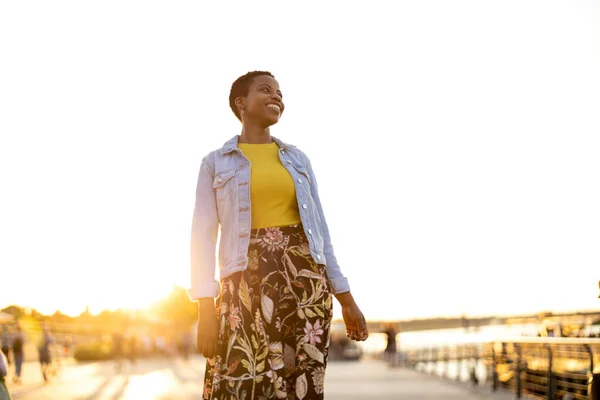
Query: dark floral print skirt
(274, 321)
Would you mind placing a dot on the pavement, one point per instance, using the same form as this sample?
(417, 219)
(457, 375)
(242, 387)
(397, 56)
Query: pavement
(176, 379)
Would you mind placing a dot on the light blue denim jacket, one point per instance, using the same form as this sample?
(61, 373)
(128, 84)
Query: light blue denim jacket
(223, 198)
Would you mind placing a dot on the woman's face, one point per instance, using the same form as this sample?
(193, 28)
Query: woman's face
(263, 104)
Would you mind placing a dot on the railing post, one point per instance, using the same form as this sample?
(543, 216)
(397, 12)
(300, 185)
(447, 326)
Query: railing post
(433, 358)
(593, 379)
(447, 362)
(551, 386)
(519, 384)
(494, 369)
(474, 379)
(459, 363)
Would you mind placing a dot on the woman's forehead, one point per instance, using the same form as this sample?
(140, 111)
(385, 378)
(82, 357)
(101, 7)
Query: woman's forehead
(265, 80)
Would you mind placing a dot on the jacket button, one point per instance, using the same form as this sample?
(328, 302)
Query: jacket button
(304, 206)
(288, 161)
(310, 231)
(299, 180)
(318, 256)
(219, 180)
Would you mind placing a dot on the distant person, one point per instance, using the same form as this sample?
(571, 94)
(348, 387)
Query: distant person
(186, 345)
(18, 347)
(44, 353)
(278, 270)
(133, 348)
(117, 350)
(6, 343)
(159, 344)
(146, 345)
(390, 347)
(67, 344)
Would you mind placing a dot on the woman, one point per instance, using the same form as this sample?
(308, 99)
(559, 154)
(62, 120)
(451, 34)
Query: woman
(267, 335)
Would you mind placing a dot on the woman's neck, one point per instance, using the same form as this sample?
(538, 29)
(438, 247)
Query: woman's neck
(255, 135)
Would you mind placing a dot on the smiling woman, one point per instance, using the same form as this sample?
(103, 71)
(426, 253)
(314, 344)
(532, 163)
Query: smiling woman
(267, 335)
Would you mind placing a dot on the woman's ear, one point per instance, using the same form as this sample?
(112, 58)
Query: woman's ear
(240, 103)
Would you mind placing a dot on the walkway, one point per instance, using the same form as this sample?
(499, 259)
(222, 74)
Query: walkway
(177, 380)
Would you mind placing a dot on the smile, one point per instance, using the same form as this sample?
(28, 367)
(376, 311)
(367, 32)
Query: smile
(274, 107)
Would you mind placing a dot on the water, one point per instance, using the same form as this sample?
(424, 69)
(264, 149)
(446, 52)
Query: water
(448, 337)
(460, 370)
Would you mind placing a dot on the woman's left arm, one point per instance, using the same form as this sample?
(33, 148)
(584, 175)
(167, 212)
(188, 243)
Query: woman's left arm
(338, 281)
(356, 325)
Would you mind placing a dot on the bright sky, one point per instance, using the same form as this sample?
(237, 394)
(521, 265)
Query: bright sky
(456, 145)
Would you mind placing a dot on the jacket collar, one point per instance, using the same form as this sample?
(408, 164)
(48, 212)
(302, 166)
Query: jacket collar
(232, 144)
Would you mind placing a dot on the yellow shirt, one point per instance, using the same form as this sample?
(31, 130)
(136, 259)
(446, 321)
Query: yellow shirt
(272, 191)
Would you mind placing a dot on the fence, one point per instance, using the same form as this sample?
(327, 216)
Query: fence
(535, 368)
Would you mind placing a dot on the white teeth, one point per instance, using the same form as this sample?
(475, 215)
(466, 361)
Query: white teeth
(274, 107)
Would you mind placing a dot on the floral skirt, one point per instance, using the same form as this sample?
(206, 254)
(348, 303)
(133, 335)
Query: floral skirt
(274, 321)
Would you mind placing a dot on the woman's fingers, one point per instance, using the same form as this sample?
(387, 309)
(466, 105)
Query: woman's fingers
(207, 336)
(211, 349)
(356, 329)
(364, 331)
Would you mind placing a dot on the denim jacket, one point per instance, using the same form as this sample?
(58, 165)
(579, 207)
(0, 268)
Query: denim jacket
(223, 199)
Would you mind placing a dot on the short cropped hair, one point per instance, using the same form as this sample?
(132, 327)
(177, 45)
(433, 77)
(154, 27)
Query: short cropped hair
(240, 88)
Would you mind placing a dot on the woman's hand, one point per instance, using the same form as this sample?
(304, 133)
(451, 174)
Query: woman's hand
(208, 328)
(356, 325)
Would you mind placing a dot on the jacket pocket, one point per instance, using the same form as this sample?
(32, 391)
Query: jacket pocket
(302, 171)
(223, 184)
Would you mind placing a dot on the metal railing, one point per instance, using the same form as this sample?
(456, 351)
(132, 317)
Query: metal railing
(534, 368)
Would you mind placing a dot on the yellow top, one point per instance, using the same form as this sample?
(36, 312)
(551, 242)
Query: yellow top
(272, 191)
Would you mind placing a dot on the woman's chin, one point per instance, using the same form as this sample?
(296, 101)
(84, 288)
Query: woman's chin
(271, 121)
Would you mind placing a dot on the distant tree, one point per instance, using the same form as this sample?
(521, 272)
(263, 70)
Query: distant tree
(23, 313)
(176, 308)
(15, 311)
(60, 318)
(112, 320)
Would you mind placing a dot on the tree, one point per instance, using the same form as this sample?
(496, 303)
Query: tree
(176, 308)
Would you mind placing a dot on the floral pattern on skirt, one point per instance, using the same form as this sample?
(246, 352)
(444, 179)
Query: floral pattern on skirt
(274, 321)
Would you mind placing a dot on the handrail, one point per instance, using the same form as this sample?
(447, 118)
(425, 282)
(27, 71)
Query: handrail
(549, 368)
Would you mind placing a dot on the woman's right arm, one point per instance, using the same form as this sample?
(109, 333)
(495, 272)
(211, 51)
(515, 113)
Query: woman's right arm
(205, 226)
(204, 288)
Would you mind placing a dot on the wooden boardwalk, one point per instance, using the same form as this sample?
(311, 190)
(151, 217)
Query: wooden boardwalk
(160, 379)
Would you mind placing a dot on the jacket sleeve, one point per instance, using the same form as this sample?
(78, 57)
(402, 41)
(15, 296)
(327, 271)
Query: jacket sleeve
(338, 281)
(205, 226)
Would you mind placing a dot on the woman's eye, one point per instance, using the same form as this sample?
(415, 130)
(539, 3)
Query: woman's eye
(266, 90)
